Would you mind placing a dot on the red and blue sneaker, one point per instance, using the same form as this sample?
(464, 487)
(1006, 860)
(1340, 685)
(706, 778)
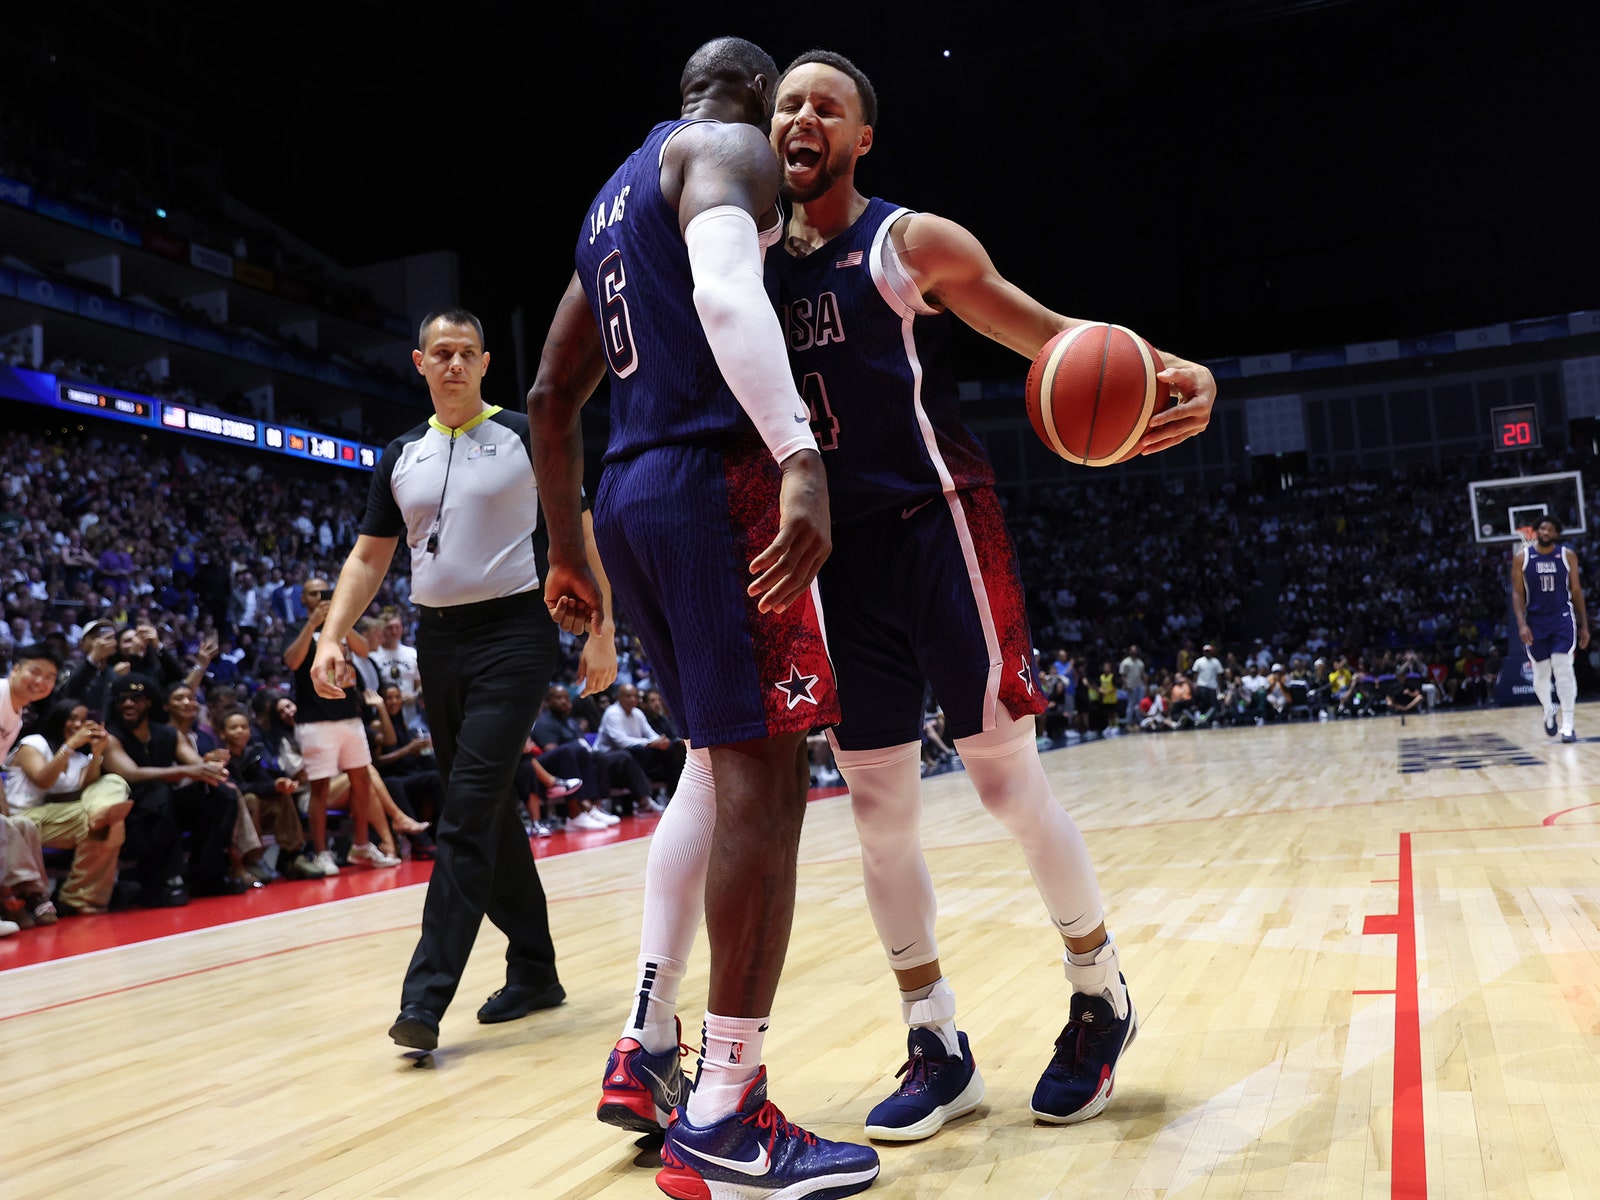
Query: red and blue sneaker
(1077, 1084)
(939, 1087)
(756, 1154)
(641, 1089)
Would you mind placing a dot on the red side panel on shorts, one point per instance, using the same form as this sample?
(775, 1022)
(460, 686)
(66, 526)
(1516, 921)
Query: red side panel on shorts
(997, 562)
(788, 648)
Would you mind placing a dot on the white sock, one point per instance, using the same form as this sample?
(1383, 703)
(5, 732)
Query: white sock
(933, 1007)
(730, 1057)
(652, 1019)
(1099, 973)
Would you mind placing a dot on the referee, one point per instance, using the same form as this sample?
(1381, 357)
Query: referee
(461, 489)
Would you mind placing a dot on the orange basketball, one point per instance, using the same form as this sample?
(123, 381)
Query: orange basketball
(1092, 390)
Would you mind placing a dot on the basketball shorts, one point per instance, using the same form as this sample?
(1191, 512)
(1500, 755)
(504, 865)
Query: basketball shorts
(333, 747)
(676, 528)
(928, 594)
(1552, 635)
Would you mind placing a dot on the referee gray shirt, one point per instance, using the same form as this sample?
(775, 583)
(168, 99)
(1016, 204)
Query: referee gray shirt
(471, 494)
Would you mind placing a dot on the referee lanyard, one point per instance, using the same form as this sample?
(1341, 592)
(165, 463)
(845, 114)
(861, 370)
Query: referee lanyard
(438, 516)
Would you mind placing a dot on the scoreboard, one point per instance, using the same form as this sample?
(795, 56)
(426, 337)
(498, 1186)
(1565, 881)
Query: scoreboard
(1515, 427)
(38, 387)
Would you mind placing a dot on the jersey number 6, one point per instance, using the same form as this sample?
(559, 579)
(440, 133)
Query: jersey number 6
(616, 331)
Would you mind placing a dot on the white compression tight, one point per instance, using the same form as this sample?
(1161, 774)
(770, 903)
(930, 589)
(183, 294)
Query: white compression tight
(1566, 686)
(1541, 683)
(674, 902)
(886, 798)
(1004, 766)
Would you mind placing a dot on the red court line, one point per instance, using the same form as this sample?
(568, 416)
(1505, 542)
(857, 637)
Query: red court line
(1556, 816)
(262, 957)
(86, 935)
(1408, 1178)
(1484, 828)
(250, 958)
(68, 939)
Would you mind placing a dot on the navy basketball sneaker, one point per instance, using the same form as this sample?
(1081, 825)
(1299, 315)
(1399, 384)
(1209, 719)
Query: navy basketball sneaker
(1551, 725)
(641, 1089)
(1077, 1084)
(755, 1152)
(938, 1087)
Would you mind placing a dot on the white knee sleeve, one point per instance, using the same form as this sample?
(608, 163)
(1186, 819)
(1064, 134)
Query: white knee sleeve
(675, 872)
(1566, 687)
(1004, 766)
(886, 799)
(1541, 682)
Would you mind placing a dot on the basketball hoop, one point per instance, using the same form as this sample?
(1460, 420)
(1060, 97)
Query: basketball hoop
(1529, 534)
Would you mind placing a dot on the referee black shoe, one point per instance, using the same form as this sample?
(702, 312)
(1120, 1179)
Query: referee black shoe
(416, 1028)
(515, 1000)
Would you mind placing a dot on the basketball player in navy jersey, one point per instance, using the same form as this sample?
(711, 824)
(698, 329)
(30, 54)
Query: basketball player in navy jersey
(712, 520)
(929, 588)
(1547, 600)
(924, 583)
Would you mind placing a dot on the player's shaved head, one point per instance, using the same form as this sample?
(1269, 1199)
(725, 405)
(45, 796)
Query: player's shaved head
(727, 60)
(731, 68)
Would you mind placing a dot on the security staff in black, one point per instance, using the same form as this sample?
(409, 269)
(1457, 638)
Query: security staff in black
(461, 489)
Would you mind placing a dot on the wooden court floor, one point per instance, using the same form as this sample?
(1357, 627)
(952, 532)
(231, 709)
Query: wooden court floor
(1364, 954)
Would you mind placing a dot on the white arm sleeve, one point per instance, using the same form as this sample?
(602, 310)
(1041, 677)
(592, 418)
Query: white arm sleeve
(742, 329)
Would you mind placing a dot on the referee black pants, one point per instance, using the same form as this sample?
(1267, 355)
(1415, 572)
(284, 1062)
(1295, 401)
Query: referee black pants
(485, 668)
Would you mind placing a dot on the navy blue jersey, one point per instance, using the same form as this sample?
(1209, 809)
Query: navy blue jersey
(1549, 587)
(665, 385)
(871, 361)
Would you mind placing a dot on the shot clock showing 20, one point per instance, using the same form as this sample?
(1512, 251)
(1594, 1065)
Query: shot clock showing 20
(1516, 427)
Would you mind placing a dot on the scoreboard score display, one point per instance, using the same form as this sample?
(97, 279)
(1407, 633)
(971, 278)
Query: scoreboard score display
(1515, 427)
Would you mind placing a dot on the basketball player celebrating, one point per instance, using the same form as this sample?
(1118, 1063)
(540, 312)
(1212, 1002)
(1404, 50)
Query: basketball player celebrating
(923, 583)
(711, 477)
(929, 587)
(1547, 600)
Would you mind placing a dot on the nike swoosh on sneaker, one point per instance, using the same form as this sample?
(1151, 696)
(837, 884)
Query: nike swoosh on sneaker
(671, 1090)
(907, 513)
(759, 1165)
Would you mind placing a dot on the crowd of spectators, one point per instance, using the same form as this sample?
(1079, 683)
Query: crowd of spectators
(1373, 573)
(180, 566)
(168, 579)
(1202, 691)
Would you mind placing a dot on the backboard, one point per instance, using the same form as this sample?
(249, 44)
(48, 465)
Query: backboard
(1500, 507)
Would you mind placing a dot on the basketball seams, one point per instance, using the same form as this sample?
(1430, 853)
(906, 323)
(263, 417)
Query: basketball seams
(1151, 386)
(1126, 392)
(1047, 385)
(1099, 391)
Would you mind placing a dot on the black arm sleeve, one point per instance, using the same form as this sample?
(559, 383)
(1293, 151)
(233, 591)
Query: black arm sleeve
(383, 517)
